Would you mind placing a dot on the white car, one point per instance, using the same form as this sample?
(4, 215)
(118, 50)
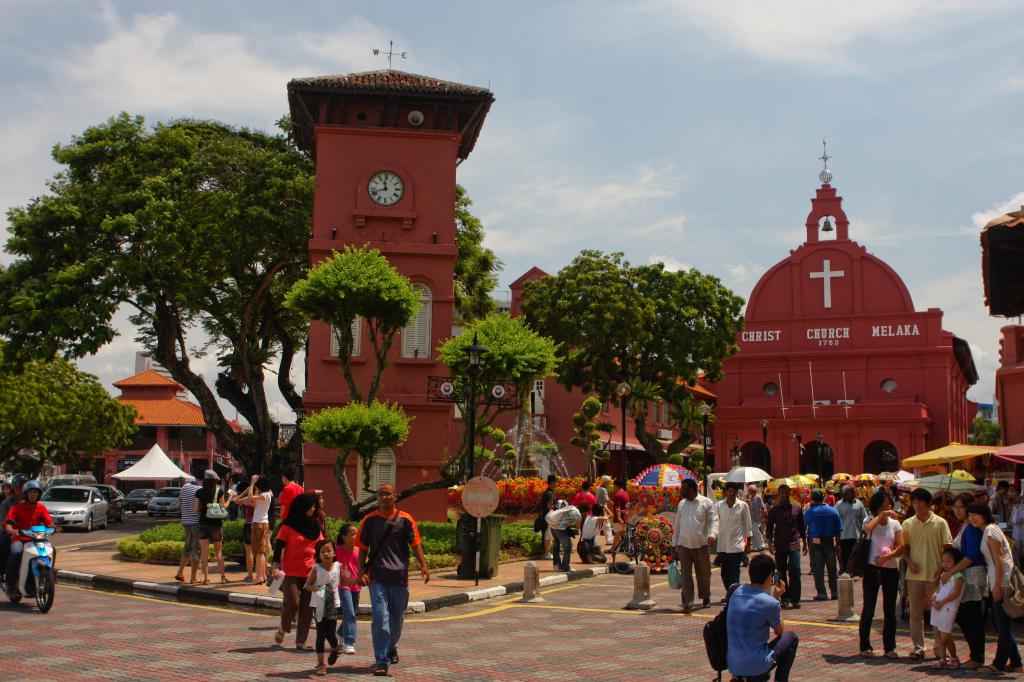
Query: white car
(165, 502)
(76, 506)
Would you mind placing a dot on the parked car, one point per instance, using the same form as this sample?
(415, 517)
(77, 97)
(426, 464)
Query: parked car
(137, 500)
(165, 503)
(76, 506)
(114, 498)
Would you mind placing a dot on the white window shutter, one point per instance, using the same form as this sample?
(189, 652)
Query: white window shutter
(357, 339)
(416, 335)
(537, 398)
(382, 471)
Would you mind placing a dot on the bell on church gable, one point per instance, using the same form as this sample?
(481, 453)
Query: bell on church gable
(827, 227)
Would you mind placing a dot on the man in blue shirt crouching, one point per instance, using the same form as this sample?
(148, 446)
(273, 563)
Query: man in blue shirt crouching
(755, 609)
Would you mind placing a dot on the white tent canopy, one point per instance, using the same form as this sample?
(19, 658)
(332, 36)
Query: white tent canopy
(155, 466)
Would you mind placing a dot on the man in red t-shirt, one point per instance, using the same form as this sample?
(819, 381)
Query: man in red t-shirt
(620, 511)
(584, 495)
(20, 518)
(290, 491)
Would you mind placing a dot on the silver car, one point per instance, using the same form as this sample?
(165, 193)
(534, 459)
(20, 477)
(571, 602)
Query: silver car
(76, 506)
(164, 502)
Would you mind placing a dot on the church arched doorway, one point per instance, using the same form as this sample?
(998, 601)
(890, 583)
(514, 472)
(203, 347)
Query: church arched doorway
(755, 454)
(818, 458)
(879, 456)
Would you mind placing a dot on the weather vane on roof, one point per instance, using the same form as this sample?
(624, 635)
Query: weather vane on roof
(825, 175)
(390, 53)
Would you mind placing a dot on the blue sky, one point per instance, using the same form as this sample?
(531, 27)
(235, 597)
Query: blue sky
(672, 130)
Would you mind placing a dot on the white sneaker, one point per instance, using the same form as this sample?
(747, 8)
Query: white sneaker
(548, 556)
(350, 649)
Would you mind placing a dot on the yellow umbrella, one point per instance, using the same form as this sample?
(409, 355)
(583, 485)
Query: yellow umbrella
(963, 476)
(954, 452)
(841, 477)
(776, 482)
(805, 479)
(866, 478)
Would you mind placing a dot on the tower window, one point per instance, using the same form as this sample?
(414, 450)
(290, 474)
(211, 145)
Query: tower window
(357, 341)
(416, 335)
(770, 389)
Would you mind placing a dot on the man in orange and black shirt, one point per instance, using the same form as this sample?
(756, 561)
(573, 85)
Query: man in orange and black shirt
(385, 537)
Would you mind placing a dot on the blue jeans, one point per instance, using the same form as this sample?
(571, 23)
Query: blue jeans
(563, 547)
(1007, 654)
(788, 565)
(387, 603)
(349, 606)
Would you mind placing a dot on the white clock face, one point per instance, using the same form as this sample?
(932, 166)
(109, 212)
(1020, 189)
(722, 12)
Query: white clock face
(386, 188)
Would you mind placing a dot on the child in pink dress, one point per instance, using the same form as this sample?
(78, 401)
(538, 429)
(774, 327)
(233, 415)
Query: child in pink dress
(348, 557)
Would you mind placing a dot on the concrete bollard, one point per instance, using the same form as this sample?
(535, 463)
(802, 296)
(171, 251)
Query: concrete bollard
(845, 586)
(531, 584)
(641, 589)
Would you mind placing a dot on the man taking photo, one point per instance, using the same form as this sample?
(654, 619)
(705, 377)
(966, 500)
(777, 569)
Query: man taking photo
(754, 610)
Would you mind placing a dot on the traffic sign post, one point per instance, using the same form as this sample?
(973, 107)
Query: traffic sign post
(479, 499)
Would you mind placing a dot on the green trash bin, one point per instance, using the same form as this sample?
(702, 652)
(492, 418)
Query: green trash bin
(490, 545)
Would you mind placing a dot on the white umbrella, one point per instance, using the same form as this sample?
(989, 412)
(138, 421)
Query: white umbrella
(747, 475)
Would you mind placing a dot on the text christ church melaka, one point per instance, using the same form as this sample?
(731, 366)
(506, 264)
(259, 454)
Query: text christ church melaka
(833, 346)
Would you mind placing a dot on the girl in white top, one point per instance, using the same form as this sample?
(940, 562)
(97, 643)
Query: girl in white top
(326, 574)
(945, 604)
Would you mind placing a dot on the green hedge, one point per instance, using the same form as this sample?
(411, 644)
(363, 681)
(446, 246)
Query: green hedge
(164, 543)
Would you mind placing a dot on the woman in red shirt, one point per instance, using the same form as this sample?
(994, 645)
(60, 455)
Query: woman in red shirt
(294, 555)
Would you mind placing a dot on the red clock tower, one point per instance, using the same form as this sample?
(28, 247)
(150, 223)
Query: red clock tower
(386, 145)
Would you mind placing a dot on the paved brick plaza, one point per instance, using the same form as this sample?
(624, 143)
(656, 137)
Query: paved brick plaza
(580, 633)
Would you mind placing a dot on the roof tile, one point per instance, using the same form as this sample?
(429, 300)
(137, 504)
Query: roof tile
(148, 378)
(165, 412)
(389, 80)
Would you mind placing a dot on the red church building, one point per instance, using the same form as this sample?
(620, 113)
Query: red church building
(837, 371)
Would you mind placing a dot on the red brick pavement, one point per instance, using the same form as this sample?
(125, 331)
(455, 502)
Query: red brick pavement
(581, 633)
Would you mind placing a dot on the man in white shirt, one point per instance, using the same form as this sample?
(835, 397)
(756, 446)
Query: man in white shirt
(696, 530)
(734, 534)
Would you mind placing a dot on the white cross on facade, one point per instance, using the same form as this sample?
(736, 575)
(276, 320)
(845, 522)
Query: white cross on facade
(827, 274)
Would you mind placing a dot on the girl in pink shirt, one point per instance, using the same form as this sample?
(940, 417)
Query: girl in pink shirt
(348, 557)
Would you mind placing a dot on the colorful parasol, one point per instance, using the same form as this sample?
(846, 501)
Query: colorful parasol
(865, 478)
(963, 476)
(664, 476)
(841, 477)
(805, 479)
(776, 482)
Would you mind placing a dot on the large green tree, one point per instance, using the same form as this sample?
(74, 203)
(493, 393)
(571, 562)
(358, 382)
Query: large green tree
(197, 228)
(650, 327)
(50, 411)
(516, 354)
(984, 432)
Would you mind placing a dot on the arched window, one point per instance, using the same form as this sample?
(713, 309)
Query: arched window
(416, 335)
(382, 471)
(357, 339)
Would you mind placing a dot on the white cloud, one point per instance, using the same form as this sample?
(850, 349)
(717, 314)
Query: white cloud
(818, 34)
(670, 263)
(744, 274)
(980, 218)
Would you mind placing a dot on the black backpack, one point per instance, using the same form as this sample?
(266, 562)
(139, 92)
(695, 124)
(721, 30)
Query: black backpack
(716, 637)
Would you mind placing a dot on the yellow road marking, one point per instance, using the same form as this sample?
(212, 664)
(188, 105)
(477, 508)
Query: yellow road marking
(462, 616)
(167, 601)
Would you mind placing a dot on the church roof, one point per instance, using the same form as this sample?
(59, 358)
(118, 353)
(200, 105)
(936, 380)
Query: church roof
(387, 80)
(148, 378)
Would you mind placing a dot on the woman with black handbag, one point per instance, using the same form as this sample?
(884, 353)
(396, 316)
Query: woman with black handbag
(881, 571)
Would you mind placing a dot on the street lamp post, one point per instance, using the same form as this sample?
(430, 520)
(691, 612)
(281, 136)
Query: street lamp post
(799, 447)
(765, 458)
(820, 449)
(623, 390)
(473, 369)
(705, 410)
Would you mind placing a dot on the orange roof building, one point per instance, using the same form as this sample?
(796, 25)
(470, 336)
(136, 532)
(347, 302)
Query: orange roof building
(165, 418)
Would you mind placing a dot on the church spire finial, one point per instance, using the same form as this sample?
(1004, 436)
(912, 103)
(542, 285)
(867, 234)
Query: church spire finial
(825, 175)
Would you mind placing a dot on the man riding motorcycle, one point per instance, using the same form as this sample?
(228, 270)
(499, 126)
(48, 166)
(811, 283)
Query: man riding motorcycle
(22, 516)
